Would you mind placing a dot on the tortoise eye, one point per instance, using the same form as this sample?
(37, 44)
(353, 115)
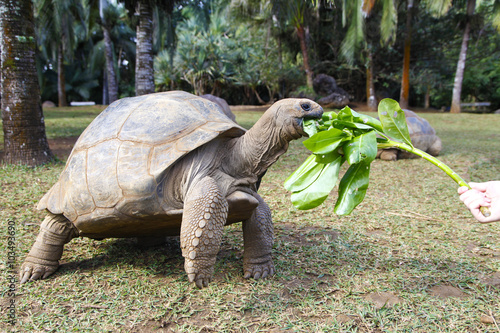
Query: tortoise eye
(306, 106)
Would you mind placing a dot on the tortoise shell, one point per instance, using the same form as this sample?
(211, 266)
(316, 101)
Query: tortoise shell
(119, 160)
(421, 132)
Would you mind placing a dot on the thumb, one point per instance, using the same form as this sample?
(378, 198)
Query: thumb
(481, 187)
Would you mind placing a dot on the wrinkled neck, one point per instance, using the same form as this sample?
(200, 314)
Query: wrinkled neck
(253, 153)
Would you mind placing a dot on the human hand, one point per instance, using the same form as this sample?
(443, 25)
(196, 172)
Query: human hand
(482, 194)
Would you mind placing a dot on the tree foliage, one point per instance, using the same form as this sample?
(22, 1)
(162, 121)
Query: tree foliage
(252, 51)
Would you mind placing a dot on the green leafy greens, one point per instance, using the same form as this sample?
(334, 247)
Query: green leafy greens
(348, 136)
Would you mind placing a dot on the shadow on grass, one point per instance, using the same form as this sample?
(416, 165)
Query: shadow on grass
(125, 251)
(304, 259)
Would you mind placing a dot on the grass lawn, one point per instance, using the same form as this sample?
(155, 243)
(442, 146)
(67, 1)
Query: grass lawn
(410, 258)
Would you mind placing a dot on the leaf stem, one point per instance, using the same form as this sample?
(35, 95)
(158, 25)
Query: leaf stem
(459, 180)
(403, 146)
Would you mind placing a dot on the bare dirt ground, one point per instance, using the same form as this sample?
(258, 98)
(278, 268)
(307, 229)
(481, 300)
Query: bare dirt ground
(61, 147)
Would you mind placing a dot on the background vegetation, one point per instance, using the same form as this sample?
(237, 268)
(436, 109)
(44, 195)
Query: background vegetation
(249, 51)
(410, 258)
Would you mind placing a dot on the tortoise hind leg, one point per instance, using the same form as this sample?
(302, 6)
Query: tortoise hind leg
(205, 213)
(43, 259)
(258, 238)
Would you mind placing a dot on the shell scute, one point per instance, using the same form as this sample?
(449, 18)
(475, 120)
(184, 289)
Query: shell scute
(106, 125)
(155, 123)
(132, 172)
(101, 173)
(116, 165)
(77, 199)
(418, 126)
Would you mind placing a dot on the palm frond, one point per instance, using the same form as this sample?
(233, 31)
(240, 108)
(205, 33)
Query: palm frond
(389, 22)
(438, 8)
(496, 15)
(355, 32)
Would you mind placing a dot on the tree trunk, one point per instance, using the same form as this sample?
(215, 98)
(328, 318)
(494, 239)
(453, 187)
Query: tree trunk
(144, 73)
(110, 66)
(278, 40)
(427, 100)
(259, 99)
(303, 46)
(459, 75)
(280, 54)
(371, 100)
(405, 80)
(170, 41)
(25, 141)
(61, 80)
(105, 93)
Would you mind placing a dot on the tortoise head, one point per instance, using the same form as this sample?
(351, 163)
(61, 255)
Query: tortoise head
(290, 113)
(263, 144)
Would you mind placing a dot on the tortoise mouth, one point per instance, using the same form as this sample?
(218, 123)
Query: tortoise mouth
(314, 115)
(298, 122)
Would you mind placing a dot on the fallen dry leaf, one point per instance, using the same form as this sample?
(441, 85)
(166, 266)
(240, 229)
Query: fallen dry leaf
(382, 299)
(487, 319)
(446, 291)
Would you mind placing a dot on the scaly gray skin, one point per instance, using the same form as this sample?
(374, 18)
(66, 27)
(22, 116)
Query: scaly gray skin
(211, 186)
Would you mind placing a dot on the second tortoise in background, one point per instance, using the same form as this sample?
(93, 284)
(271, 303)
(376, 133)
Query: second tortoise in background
(422, 135)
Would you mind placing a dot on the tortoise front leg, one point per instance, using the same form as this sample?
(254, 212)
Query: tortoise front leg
(205, 213)
(258, 238)
(43, 259)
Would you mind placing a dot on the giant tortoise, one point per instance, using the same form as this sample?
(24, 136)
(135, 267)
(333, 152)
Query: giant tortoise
(169, 164)
(422, 136)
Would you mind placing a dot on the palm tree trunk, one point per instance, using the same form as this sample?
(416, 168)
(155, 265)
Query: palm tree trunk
(25, 141)
(427, 99)
(371, 100)
(405, 81)
(144, 79)
(105, 93)
(305, 55)
(459, 75)
(110, 66)
(61, 80)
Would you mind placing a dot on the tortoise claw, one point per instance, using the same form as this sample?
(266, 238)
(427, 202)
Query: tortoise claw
(259, 271)
(200, 280)
(32, 272)
(25, 276)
